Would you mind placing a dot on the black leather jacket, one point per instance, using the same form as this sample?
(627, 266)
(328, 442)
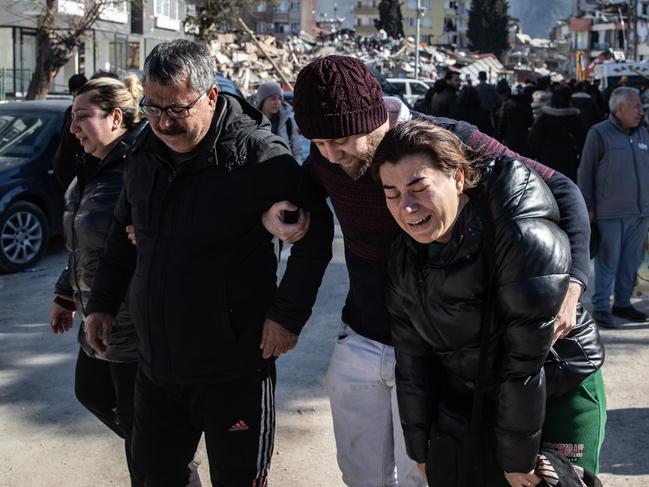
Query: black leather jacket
(436, 306)
(89, 203)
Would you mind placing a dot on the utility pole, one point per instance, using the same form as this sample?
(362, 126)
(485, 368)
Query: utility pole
(417, 38)
(633, 29)
(420, 13)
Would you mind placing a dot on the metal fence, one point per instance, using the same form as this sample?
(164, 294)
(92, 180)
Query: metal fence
(14, 82)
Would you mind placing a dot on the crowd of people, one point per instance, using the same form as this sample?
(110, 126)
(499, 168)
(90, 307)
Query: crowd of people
(466, 263)
(585, 134)
(544, 120)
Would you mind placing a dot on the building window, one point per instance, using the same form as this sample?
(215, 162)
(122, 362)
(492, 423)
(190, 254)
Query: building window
(262, 7)
(166, 8)
(412, 5)
(295, 6)
(426, 22)
(281, 7)
(411, 22)
(295, 27)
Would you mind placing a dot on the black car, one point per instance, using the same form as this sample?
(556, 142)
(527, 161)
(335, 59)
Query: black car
(31, 199)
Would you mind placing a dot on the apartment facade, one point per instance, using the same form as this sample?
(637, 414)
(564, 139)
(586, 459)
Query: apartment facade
(119, 41)
(456, 22)
(282, 18)
(600, 28)
(442, 21)
(432, 20)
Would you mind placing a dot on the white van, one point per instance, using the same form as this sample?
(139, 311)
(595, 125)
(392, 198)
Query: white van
(410, 89)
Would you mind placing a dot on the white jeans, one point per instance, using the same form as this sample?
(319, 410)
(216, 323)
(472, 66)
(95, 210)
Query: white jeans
(369, 439)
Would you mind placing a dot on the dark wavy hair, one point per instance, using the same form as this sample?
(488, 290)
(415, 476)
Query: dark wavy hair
(445, 150)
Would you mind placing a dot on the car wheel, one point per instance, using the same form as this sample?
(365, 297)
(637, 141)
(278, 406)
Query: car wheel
(23, 236)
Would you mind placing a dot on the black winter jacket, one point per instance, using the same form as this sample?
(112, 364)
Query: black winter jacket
(443, 101)
(557, 139)
(515, 120)
(89, 205)
(436, 306)
(204, 279)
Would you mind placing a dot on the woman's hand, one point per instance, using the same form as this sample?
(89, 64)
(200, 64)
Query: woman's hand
(61, 319)
(567, 316)
(422, 469)
(516, 479)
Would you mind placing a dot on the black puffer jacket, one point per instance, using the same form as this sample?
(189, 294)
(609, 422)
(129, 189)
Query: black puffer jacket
(89, 204)
(204, 277)
(436, 306)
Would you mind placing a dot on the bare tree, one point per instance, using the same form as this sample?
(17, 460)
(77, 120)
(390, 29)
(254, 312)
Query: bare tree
(58, 35)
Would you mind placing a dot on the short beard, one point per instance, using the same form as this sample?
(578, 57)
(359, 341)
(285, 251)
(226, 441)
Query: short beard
(362, 164)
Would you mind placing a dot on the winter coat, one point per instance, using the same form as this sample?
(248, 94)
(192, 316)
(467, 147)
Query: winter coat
(443, 101)
(287, 130)
(515, 120)
(614, 170)
(88, 214)
(489, 97)
(437, 303)
(477, 116)
(557, 138)
(589, 112)
(204, 271)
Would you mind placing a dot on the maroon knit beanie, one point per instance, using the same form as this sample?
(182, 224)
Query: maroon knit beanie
(337, 96)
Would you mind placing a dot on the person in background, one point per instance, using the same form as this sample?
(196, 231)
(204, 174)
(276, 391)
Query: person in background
(442, 96)
(62, 161)
(622, 82)
(613, 177)
(541, 95)
(515, 120)
(470, 109)
(489, 98)
(270, 101)
(106, 120)
(557, 136)
(589, 111)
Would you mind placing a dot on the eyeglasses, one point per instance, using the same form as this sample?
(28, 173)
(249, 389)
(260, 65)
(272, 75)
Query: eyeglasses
(174, 111)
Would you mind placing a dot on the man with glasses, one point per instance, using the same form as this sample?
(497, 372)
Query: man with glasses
(203, 293)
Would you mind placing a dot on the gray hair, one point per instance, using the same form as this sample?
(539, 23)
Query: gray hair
(621, 95)
(174, 62)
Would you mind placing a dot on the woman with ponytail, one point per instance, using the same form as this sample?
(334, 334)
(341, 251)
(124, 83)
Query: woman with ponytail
(106, 121)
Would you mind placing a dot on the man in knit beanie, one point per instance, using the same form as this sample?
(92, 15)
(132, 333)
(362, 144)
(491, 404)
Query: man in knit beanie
(340, 106)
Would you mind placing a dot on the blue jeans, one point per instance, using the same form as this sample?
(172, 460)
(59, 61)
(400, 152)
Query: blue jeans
(620, 252)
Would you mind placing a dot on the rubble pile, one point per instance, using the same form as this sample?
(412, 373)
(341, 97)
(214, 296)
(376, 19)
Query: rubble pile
(250, 61)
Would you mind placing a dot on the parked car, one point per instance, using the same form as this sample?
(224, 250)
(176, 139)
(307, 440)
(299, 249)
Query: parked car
(31, 199)
(412, 90)
(226, 85)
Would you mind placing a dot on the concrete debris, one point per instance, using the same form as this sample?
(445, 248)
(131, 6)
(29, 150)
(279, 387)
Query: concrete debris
(248, 63)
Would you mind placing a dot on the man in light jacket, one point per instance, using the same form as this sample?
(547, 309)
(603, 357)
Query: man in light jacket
(612, 177)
